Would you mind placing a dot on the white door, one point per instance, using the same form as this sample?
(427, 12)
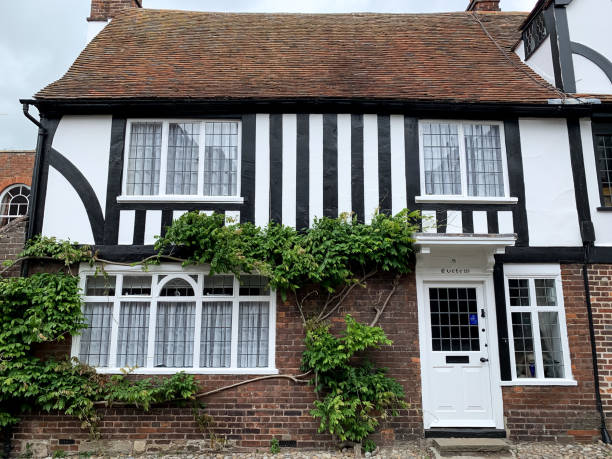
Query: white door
(458, 371)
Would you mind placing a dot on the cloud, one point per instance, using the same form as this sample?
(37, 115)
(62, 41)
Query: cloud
(39, 40)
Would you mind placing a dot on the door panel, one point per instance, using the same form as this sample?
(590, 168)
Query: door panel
(459, 376)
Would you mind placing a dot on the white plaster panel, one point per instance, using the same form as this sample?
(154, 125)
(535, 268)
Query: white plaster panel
(152, 226)
(370, 166)
(176, 214)
(589, 24)
(344, 164)
(589, 77)
(126, 226)
(429, 221)
(289, 168)
(85, 142)
(262, 169)
(232, 217)
(481, 225)
(398, 164)
(541, 60)
(602, 221)
(505, 222)
(65, 215)
(316, 167)
(454, 222)
(549, 184)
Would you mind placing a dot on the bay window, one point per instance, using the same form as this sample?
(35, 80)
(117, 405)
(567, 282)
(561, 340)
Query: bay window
(166, 322)
(463, 159)
(536, 324)
(183, 158)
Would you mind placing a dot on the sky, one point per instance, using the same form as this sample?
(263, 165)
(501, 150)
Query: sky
(39, 39)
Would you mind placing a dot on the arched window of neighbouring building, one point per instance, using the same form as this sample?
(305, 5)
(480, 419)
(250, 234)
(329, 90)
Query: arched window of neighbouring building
(14, 202)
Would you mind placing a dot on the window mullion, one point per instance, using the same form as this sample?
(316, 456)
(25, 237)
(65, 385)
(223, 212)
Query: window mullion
(462, 160)
(197, 332)
(112, 360)
(163, 166)
(535, 330)
(201, 159)
(152, 324)
(235, 318)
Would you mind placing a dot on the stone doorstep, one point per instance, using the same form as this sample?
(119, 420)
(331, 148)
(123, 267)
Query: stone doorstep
(471, 447)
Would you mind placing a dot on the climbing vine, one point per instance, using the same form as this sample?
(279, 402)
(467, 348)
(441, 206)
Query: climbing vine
(319, 267)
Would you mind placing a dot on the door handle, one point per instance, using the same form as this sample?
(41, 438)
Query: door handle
(483, 360)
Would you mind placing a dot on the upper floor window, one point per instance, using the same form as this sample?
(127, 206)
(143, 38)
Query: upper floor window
(14, 203)
(463, 159)
(538, 336)
(182, 158)
(603, 149)
(162, 323)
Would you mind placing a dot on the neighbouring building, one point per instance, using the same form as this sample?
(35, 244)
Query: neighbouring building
(15, 182)
(496, 125)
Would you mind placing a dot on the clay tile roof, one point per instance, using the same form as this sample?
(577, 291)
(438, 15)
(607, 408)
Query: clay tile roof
(166, 54)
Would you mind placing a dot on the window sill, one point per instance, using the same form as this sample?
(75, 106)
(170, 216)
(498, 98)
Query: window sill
(464, 199)
(191, 371)
(540, 382)
(604, 209)
(181, 198)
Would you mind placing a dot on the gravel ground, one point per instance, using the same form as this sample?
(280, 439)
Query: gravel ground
(420, 450)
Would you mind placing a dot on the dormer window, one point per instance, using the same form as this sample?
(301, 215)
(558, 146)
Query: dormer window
(178, 159)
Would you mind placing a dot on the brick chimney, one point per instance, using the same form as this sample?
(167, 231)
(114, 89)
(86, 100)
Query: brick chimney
(103, 10)
(483, 5)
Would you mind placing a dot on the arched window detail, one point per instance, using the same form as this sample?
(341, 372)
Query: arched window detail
(177, 287)
(14, 203)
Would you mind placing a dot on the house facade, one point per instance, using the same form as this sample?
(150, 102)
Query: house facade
(497, 126)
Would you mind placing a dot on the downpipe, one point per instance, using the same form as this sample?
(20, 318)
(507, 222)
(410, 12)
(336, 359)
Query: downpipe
(605, 436)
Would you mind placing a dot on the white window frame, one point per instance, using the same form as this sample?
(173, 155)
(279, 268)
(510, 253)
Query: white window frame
(5, 192)
(464, 197)
(532, 272)
(162, 196)
(173, 272)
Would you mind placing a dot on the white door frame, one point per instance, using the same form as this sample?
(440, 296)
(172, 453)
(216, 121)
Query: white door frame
(484, 279)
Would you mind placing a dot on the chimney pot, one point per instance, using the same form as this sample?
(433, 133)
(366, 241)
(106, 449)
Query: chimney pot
(103, 10)
(483, 5)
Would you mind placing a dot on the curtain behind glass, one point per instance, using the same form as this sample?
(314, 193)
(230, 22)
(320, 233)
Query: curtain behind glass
(484, 161)
(183, 153)
(133, 334)
(441, 156)
(144, 159)
(95, 339)
(552, 352)
(216, 334)
(221, 159)
(253, 334)
(174, 334)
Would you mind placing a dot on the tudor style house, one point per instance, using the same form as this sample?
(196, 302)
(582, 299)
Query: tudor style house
(497, 126)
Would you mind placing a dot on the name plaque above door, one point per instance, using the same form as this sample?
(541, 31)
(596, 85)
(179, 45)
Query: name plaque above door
(455, 270)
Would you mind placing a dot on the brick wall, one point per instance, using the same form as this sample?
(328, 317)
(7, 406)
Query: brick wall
(560, 413)
(12, 238)
(16, 167)
(253, 414)
(600, 282)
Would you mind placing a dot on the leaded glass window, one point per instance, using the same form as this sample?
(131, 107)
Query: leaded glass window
(463, 159)
(603, 147)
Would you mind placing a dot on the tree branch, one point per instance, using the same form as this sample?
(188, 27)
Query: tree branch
(345, 294)
(379, 311)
